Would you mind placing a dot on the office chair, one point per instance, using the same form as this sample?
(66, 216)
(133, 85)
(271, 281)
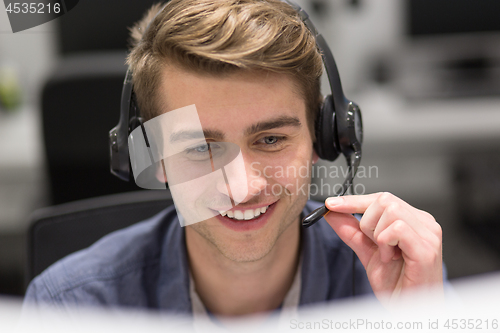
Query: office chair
(80, 103)
(60, 230)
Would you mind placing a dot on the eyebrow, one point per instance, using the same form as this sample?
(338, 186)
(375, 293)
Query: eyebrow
(279, 122)
(190, 135)
(283, 121)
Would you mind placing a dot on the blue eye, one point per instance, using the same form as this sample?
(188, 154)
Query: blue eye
(201, 152)
(201, 149)
(271, 140)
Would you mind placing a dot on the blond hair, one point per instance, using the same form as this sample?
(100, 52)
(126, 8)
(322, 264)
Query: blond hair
(217, 37)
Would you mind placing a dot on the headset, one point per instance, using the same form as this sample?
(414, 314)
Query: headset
(338, 126)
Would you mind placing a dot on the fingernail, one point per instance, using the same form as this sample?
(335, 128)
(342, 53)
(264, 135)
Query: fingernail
(334, 201)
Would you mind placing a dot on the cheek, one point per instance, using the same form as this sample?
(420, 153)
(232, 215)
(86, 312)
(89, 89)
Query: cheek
(290, 170)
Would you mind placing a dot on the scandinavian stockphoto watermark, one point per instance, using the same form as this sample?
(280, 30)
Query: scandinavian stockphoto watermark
(328, 179)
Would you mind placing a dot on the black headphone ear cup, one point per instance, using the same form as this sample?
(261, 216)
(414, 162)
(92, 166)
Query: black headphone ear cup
(327, 145)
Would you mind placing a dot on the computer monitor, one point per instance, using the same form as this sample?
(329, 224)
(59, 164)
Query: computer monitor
(451, 17)
(453, 48)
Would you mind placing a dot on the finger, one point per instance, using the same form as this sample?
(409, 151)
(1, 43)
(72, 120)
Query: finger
(381, 212)
(415, 249)
(395, 211)
(370, 219)
(387, 199)
(429, 221)
(388, 240)
(374, 205)
(359, 203)
(351, 203)
(387, 250)
(347, 228)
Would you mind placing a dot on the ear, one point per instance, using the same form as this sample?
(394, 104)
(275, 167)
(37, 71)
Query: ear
(315, 157)
(161, 173)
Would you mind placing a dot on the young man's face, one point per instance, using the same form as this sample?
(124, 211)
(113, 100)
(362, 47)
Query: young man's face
(264, 115)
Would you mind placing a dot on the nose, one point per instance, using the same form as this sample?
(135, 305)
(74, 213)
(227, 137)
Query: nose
(245, 179)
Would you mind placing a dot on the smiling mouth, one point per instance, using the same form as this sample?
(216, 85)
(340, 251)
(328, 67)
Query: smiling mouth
(245, 215)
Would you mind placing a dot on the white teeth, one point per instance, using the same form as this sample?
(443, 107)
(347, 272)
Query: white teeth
(238, 214)
(244, 215)
(248, 214)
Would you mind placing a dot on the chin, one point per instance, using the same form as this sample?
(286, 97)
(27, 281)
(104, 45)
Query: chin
(247, 252)
(238, 246)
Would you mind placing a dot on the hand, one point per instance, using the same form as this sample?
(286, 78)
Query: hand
(399, 246)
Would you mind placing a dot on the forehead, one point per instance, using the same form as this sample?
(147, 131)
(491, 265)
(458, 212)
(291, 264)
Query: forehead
(231, 99)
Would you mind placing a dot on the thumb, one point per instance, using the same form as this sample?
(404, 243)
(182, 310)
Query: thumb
(347, 228)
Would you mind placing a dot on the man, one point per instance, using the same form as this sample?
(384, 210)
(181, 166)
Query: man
(252, 70)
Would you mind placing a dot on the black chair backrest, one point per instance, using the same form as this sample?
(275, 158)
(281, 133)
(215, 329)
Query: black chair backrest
(60, 230)
(80, 104)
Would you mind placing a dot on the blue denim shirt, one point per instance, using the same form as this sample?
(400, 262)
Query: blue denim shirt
(145, 266)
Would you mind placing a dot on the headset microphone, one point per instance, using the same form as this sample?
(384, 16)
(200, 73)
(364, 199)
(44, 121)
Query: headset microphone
(339, 127)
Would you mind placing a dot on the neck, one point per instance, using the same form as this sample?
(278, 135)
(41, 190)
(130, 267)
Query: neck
(230, 288)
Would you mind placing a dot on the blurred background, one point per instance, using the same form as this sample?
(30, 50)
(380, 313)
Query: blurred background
(426, 74)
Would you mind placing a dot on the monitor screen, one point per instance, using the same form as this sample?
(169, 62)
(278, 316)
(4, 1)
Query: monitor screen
(438, 17)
